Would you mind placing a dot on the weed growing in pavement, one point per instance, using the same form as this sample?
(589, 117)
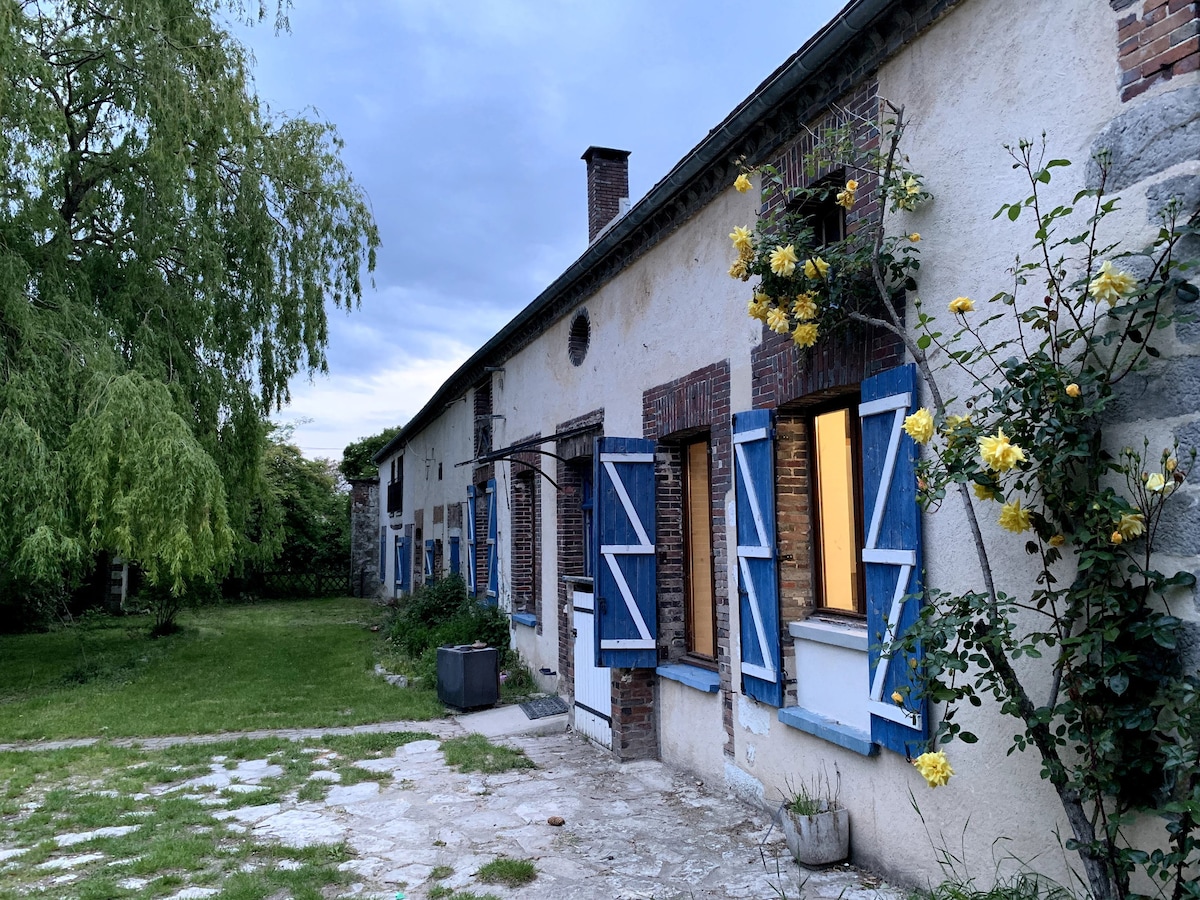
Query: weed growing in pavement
(509, 872)
(474, 753)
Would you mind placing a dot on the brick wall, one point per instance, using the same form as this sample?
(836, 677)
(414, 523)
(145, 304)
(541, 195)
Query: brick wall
(634, 731)
(860, 106)
(526, 534)
(793, 528)
(687, 407)
(1156, 40)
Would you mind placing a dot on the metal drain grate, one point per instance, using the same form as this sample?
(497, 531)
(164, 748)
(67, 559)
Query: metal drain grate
(544, 706)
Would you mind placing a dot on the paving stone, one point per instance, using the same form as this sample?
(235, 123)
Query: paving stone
(355, 793)
(132, 883)
(195, 893)
(12, 852)
(70, 862)
(70, 840)
(325, 775)
(301, 828)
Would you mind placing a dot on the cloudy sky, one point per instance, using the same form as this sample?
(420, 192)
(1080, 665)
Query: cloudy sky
(464, 123)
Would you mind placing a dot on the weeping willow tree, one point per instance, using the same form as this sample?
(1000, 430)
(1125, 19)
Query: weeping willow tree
(168, 253)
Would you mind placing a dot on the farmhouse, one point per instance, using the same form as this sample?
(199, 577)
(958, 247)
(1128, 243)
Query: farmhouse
(701, 530)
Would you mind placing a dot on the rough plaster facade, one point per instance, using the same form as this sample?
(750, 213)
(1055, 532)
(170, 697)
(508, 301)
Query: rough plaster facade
(671, 353)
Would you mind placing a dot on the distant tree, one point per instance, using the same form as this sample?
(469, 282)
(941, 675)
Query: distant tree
(358, 457)
(167, 250)
(314, 514)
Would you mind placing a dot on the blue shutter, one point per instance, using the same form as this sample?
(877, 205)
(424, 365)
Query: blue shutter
(403, 569)
(455, 565)
(383, 554)
(429, 559)
(493, 582)
(472, 544)
(892, 557)
(626, 609)
(758, 571)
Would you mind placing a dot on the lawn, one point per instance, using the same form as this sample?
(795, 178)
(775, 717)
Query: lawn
(230, 668)
(105, 822)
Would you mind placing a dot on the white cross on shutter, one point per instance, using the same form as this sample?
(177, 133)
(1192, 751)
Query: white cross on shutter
(904, 560)
(610, 553)
(761, 549)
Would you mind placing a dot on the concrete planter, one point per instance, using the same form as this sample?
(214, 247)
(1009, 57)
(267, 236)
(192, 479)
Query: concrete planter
(818, 839)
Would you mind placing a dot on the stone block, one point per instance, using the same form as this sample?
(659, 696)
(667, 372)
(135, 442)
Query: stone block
(1150, 138)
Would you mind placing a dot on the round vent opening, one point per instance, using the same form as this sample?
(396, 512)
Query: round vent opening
(579, 338)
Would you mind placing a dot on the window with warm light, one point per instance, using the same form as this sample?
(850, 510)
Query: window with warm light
(837, 504)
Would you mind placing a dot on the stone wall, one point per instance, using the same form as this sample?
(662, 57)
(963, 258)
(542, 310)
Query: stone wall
(364, 537)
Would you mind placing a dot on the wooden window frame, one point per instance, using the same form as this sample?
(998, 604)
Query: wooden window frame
(818, 212)
(693, 655)
(849, 402)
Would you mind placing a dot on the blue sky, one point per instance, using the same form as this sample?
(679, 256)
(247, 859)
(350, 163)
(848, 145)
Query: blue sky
(464, 123)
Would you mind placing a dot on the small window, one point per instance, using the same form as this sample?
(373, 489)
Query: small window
(824, 216)
(579, 337)
(699, 601)
(834, 456)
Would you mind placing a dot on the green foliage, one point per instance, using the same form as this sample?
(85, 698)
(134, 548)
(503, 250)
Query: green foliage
(474, 753)
(442, 613)
(1036, 373)
(509, 872)
(1120, 730)
(358, 457)
(167, 249)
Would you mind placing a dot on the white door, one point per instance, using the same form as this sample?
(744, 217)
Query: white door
(593, 685)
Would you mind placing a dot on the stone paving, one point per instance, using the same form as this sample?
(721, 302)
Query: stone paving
(634, 831)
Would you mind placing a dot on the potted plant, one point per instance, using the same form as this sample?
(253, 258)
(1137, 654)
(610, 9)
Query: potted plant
(815, 824)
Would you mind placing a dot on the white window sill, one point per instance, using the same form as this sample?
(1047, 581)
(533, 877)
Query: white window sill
(851, 635)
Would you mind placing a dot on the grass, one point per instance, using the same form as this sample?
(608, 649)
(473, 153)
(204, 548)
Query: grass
(474, 753)
(179, 840)
(509, 872)
(230, 668)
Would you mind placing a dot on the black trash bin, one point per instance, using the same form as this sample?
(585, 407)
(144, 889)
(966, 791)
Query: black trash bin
(468, 677)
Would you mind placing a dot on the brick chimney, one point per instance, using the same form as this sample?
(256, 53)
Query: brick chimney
(608, 186)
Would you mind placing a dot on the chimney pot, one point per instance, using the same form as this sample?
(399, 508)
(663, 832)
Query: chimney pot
(608, 186)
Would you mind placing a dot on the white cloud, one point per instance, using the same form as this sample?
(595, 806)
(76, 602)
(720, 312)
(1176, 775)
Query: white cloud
(335, 410)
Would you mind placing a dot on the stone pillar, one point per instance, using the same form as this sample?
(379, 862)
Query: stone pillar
(364, 537)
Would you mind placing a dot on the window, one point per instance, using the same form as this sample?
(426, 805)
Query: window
(823, 215)
(834, 456)
(586, 507)
(699, 602)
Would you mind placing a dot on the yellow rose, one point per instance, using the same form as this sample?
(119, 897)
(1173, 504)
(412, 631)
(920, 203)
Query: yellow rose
(1058, 540)
(1171, 464)
(998, 453)
(1132, 525)
(738, 270)
(953, 422)
(741, 184)
(758, 308)
(934, 768)
(845, 199)
(914, 237)
(897, 698)
(1013, 518)
(1072, 390)
(815, 268)
(805, 334)
(777, 321)
(804, 307)
(1110, 285)
(919, 426)
(911, 186)
(962, 305)
(741, 237)
(1116, 537)
(985, 491)
(783, 260)
(1155, 482)
(852, 185)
